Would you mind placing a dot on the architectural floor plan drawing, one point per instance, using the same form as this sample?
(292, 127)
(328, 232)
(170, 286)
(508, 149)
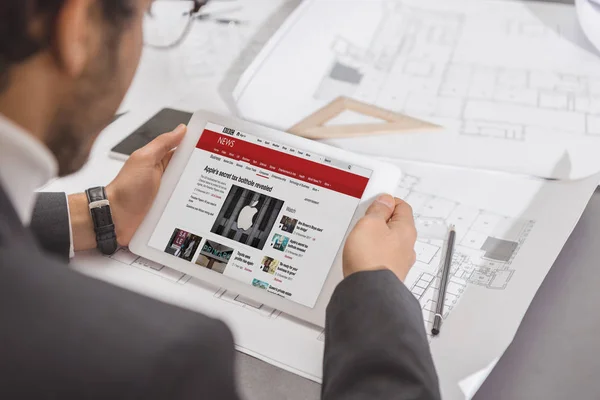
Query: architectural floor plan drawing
(485, 70)
(124, 256)
(241, 301)
(416, 63)
(486, 245)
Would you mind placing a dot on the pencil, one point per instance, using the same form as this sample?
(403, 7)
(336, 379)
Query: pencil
(439, 312)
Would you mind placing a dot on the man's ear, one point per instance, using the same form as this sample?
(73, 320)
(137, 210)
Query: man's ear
(73, 40)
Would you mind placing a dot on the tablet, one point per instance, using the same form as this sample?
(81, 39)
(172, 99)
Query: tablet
(260, 212)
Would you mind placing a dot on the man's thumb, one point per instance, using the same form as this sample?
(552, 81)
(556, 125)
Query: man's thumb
(382, 207)
(163, 144)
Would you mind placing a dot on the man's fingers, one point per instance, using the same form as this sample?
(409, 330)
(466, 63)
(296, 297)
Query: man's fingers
(402, 215)
(160, 147)
(382, 207)
(167, 159)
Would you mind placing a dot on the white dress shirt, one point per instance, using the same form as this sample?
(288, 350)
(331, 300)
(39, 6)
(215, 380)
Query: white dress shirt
(26, 164)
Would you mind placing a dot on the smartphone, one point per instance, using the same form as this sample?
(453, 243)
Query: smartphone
(165, 120)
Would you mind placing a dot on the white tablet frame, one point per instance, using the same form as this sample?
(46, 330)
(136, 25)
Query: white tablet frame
(384, 179)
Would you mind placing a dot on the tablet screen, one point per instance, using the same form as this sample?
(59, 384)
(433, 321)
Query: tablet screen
(261, 212)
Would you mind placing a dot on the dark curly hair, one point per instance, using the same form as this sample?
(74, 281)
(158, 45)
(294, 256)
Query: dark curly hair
(17, 43)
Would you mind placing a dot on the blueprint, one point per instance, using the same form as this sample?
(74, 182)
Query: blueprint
(515, 84)
(509, 232)
(487, 244)
(588, 12)
(417, 63)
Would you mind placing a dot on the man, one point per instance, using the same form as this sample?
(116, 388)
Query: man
(65, 65)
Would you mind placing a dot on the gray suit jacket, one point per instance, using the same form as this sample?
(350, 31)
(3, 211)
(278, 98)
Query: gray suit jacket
(67, 336)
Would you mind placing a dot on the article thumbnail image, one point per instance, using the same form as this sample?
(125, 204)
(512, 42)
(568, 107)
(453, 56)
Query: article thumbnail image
(287, 224)
(214, 256)
(247, 217)
(260, 284)
(279, 242)
(269, 265)
(183, 244)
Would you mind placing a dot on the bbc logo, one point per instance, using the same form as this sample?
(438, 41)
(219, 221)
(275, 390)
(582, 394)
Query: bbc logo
(229, 131)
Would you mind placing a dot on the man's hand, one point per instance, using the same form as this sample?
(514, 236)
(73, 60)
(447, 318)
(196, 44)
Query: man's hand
(130, 194)
(383, 239)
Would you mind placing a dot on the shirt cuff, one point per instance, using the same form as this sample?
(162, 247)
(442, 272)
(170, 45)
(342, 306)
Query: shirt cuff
(71, 248)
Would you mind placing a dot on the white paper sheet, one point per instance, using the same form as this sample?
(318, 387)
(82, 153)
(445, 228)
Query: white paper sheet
(515, 84)
(509, 232)
(589, 18)
(188, 77)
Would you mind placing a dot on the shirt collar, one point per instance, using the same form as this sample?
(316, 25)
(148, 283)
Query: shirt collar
(25, 165)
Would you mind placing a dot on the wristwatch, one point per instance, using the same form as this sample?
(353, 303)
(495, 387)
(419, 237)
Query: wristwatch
(106, 238)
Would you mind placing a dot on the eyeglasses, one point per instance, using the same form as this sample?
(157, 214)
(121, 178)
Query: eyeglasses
(168, 23)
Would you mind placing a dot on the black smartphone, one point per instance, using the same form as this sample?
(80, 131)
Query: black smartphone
(165, 120)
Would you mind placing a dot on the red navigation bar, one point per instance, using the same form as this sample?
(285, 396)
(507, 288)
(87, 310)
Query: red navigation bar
(284, 164)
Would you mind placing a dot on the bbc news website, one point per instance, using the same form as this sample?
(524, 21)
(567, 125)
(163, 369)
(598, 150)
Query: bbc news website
(262, 213)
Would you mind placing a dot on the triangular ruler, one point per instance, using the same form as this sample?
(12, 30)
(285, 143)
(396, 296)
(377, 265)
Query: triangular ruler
(314, 126)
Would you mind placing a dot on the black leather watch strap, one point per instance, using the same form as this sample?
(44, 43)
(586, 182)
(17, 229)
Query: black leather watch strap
(106, 238)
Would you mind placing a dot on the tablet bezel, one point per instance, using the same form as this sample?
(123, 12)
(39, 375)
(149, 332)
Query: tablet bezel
(384, 179)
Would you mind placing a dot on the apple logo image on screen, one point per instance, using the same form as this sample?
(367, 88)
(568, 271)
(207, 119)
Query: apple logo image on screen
(244, 221)
(247, 217)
